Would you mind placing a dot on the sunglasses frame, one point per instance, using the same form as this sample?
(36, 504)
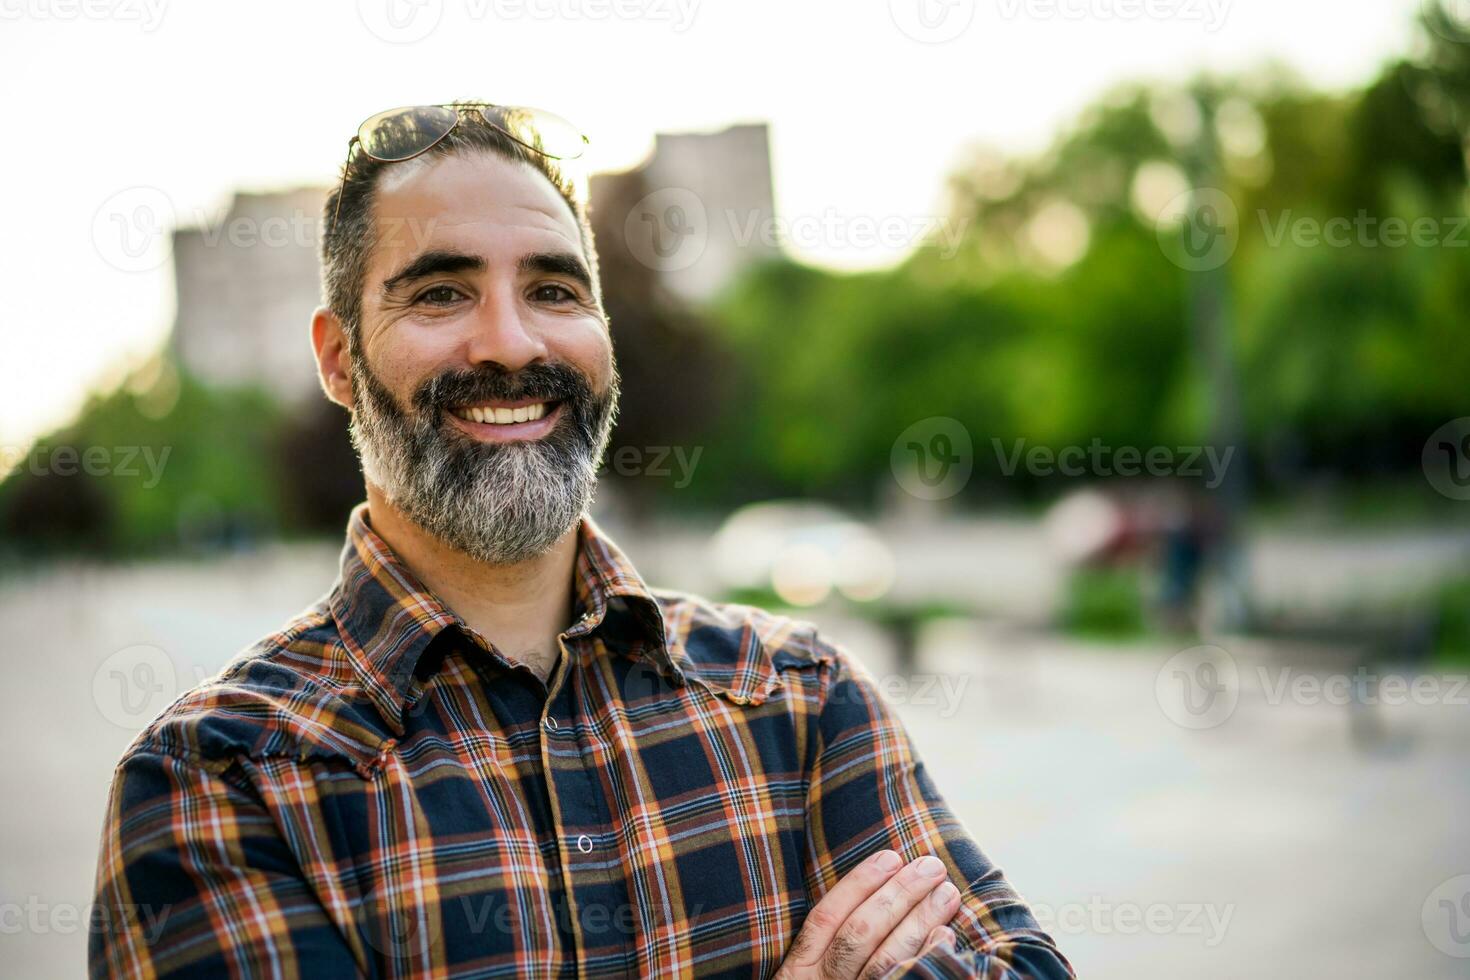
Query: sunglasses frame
(459, 108)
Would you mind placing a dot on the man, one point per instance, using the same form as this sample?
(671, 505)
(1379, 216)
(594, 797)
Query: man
(491, 749)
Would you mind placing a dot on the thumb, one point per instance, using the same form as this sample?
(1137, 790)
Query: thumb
(940, 937)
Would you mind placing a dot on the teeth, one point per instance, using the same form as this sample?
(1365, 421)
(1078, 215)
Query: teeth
(503, 416)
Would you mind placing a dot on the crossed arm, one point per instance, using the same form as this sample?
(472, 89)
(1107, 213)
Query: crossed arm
(948, 912)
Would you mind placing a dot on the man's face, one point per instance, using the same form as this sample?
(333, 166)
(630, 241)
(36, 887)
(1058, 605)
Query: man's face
(484, 387)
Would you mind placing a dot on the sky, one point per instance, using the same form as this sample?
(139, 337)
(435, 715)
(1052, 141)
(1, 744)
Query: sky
(172, 105)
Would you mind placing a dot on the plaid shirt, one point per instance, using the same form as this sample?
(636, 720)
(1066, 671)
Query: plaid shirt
(377, 790)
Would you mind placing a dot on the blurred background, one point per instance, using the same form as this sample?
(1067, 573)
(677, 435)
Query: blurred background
(1094, 370)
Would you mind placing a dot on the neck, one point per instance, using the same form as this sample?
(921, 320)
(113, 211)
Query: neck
(520, 608)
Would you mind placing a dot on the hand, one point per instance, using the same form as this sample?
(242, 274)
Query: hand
(873, 918)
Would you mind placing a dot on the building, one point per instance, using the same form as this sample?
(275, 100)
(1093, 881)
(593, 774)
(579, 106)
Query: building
(247, 284)
(705, 212)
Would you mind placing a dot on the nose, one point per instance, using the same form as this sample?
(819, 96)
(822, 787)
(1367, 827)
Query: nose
(500, 334)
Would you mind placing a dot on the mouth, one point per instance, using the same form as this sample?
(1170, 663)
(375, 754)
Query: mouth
(506, 421)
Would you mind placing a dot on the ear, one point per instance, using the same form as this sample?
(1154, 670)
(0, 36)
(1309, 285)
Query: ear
(333, 365)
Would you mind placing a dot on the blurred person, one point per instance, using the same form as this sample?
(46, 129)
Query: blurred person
(1187, 528)
(491, 748)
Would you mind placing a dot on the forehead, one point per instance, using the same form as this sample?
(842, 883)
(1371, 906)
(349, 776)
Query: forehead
(477, 202)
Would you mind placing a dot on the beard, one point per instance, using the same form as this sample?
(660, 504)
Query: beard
(498, 502)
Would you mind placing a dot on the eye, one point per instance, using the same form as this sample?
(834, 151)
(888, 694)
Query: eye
(441, 295)
(552, 292)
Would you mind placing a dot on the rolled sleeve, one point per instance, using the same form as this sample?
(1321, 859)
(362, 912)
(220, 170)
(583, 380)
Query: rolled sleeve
(869, 791)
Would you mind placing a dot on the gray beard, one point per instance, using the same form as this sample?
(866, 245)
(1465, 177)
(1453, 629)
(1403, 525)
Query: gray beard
(501, 503)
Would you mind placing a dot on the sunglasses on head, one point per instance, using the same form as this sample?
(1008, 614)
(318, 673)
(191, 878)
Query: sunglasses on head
(402, 134)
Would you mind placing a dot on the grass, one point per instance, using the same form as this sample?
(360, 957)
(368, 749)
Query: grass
(1104, 603)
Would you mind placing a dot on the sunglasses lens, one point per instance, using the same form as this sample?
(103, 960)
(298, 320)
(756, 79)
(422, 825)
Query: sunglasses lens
(402, 133)
(545, 132)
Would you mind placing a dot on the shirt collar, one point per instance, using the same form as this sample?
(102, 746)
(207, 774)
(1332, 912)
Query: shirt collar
(388, 618)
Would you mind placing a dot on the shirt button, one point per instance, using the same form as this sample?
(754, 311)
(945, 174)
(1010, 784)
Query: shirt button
(550, 724)
(584, 844)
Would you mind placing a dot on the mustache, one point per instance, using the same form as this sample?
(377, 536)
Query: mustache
(542, 382)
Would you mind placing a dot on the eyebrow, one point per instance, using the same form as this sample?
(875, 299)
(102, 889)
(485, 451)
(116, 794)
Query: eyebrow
(557, 264)
(431, 264)
(446, 260)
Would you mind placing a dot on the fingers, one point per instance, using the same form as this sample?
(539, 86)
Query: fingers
(922, 927)
(943, 937)
(872, 921)
(828, 915)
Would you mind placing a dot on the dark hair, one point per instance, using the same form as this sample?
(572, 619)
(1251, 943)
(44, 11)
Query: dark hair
(347, 243)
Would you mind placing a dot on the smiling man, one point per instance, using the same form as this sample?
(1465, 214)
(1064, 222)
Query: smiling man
(491, 749)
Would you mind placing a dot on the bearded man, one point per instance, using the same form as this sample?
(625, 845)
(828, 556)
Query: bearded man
(491, 749)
